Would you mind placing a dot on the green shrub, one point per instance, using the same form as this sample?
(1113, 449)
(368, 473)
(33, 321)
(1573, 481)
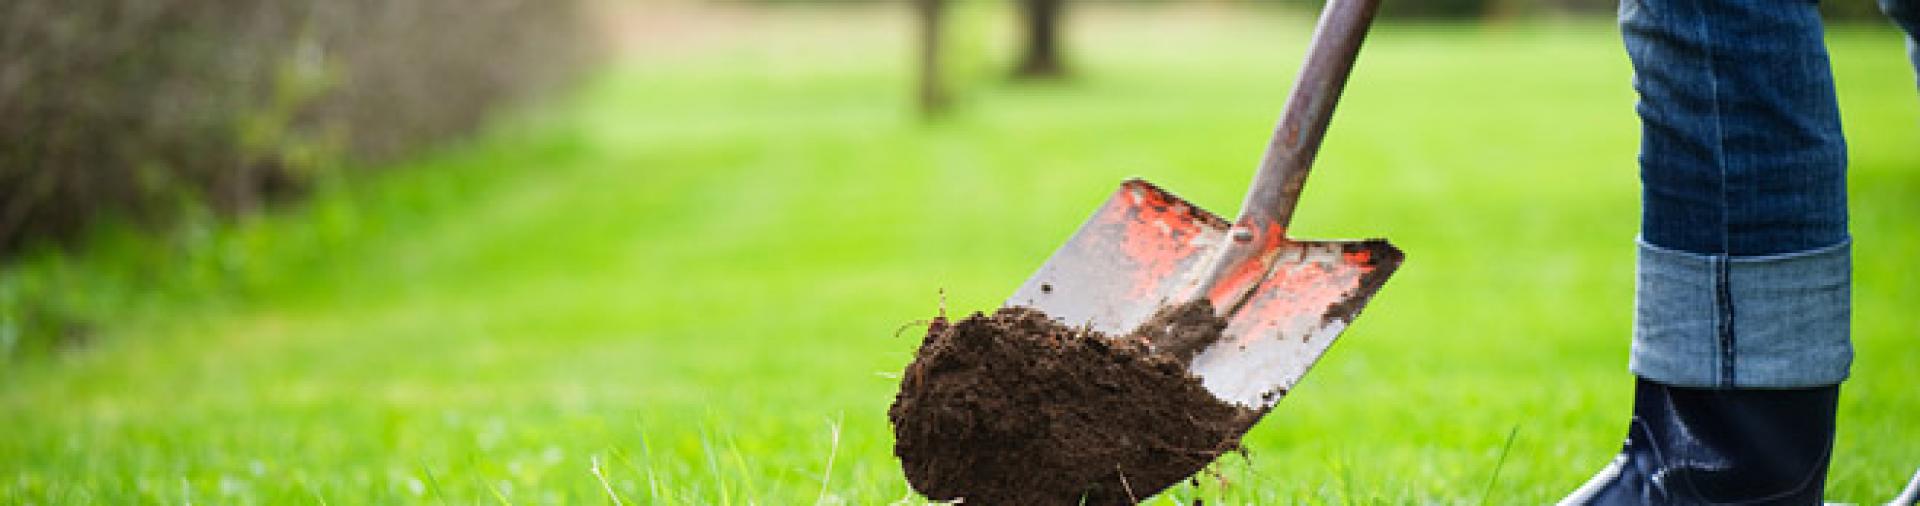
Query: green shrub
(138, 108)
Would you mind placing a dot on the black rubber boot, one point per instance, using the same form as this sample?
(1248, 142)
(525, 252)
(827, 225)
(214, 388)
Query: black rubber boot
(1714, 446)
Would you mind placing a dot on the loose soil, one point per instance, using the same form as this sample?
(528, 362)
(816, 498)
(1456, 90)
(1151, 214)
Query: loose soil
(1015, 408)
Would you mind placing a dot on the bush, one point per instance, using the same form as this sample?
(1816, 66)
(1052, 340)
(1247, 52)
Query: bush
(139, 107)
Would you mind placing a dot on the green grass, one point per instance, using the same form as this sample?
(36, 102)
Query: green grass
(685, 284)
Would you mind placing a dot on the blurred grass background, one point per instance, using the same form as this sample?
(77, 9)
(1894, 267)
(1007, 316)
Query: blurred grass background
(691, 278)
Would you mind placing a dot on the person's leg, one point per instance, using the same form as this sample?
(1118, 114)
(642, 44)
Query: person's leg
(1743, 269)
(1741, 323)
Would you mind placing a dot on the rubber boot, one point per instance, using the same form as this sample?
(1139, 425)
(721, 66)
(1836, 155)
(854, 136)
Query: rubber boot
(1719, 446)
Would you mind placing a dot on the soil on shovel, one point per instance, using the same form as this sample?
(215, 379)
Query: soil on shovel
(1015, 408)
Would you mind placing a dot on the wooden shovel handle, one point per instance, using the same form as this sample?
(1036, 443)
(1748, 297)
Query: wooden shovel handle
(1283, 170)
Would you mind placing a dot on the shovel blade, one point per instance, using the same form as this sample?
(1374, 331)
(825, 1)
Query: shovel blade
(1137, 252)
(1292, 317)
(1145, 249)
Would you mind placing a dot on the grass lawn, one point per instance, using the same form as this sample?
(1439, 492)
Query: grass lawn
(687, 282)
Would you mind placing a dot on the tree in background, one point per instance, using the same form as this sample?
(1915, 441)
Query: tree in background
(933, 96)
(1041, 26)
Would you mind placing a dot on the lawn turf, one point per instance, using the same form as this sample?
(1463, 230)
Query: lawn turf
(694, 281)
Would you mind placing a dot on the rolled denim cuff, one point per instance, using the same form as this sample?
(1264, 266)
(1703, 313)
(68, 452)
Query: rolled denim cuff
(1714, 321)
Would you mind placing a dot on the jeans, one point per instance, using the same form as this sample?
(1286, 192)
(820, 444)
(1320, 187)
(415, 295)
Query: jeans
(1744, 268)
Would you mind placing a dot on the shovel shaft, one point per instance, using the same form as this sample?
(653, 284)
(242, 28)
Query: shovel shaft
(1283, 169)
(1268, 209)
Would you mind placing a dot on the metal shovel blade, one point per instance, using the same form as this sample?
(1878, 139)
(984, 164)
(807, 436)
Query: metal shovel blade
(1145, 249)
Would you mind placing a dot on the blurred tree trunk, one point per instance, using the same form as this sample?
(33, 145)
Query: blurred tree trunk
(933, 87)
(1042, 58)
(1508, 11)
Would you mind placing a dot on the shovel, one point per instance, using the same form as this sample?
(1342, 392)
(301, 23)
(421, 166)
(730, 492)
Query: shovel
(1284, 300)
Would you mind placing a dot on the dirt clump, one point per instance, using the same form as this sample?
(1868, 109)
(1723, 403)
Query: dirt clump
(1016, 408)
(1180, 332)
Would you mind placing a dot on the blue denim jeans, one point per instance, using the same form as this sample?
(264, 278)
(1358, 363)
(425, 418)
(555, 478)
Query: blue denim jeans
(1744, 273)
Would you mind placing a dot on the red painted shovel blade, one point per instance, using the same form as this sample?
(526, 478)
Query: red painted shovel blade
(1313, 292)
